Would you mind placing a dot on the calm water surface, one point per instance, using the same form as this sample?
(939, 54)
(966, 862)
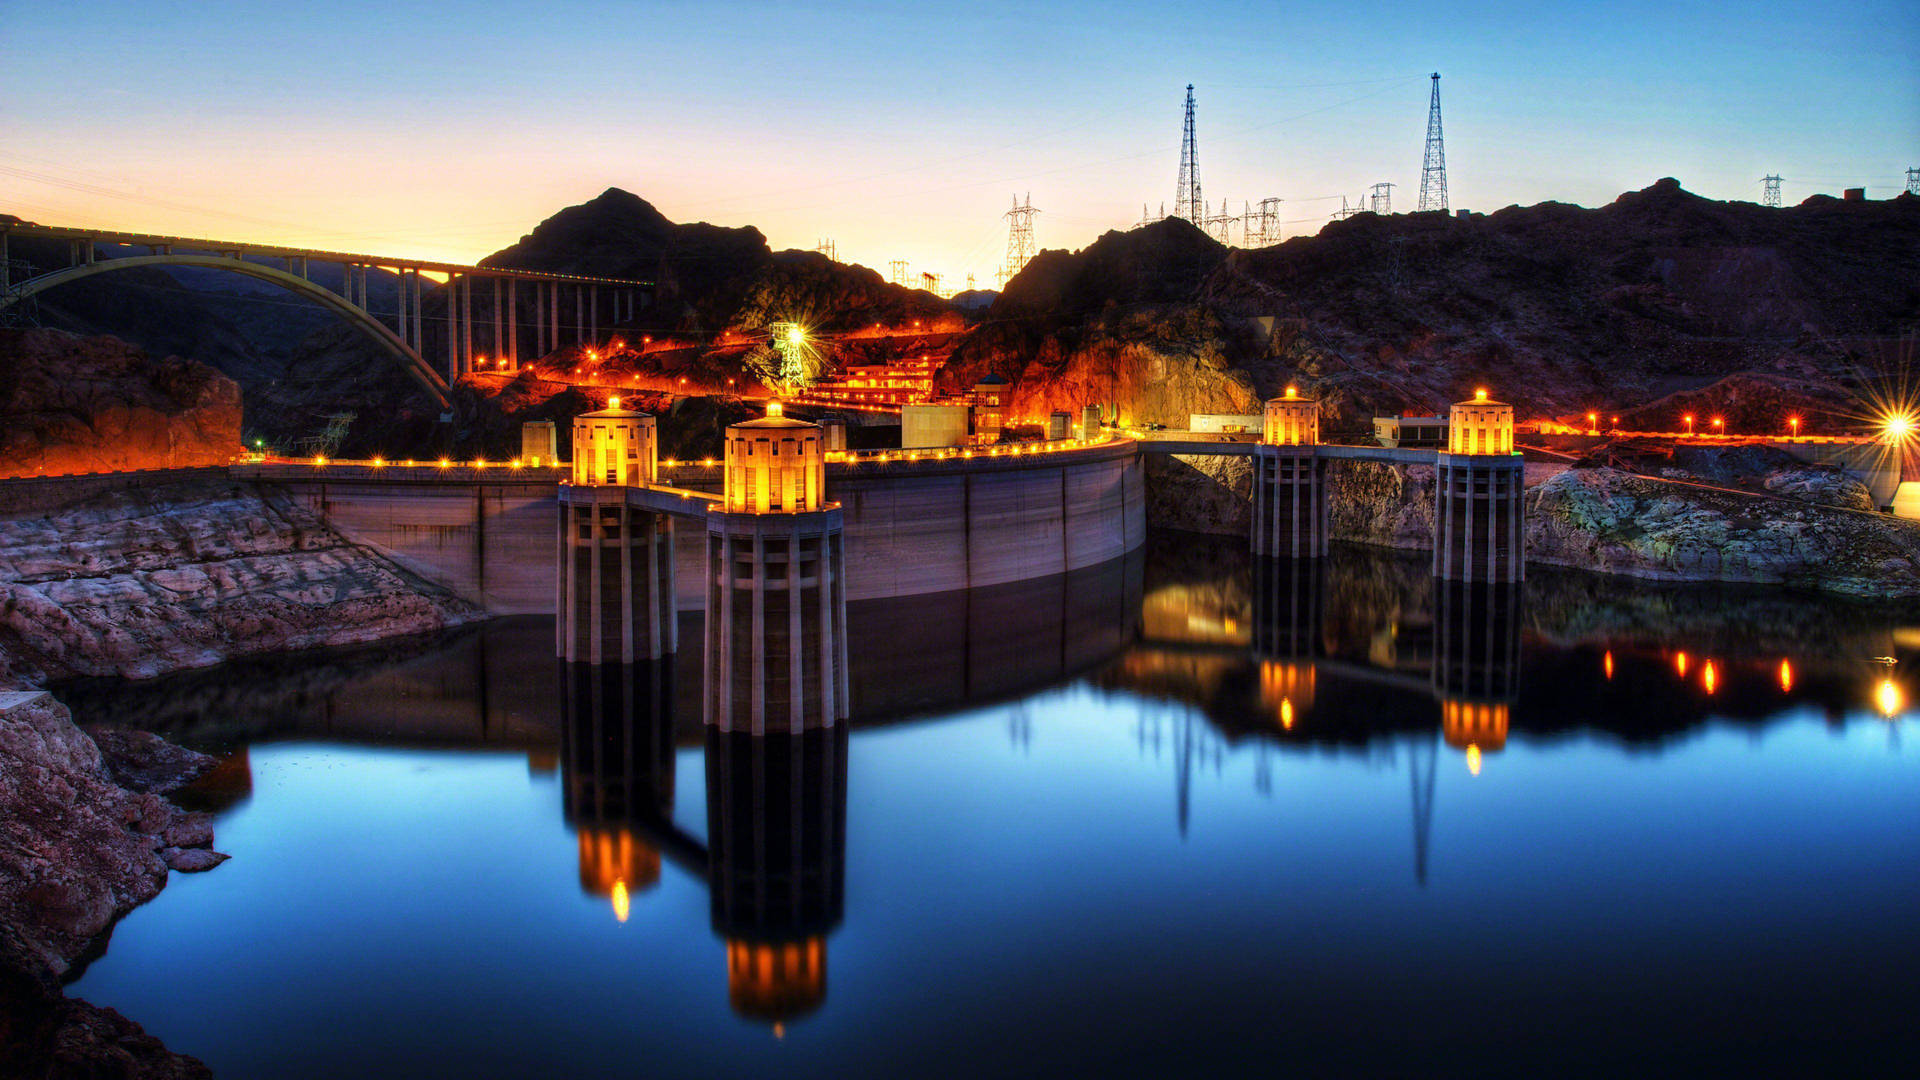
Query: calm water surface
(1187, 817)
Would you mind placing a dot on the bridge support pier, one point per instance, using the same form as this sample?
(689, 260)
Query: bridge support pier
(616, 580)
(776, 621)
(513, 324)
(1477, 518)
(1289, 502)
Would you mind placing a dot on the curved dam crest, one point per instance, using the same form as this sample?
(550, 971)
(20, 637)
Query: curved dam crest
(912, 527)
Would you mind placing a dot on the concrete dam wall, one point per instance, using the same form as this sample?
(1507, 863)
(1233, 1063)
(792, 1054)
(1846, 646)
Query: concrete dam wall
(912, 527)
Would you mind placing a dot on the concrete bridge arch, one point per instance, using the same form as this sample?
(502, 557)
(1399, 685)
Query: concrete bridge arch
(391, 343)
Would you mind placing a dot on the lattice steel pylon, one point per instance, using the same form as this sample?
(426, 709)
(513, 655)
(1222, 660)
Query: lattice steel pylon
(1913, 181)
(1433, 174)
(1220, 225)
(1186, 200)
(898, 269)
(1019, 237)
(1382, 199)
(1262, 226)
(1770, 192)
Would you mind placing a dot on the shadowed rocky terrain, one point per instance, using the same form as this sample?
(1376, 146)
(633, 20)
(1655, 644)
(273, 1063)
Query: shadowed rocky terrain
(70, 404)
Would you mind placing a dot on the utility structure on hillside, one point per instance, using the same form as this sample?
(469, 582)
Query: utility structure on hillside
(1262, 226)
(825, 247)
(1913, 181)
(897, 270)
(1770, 191)
(1433, 174)
(1019, 237)
(1382, 199)
(1219, 225)
(1147, 217)
(1186, 200)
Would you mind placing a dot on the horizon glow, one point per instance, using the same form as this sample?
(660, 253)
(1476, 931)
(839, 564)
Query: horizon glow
(448, 131)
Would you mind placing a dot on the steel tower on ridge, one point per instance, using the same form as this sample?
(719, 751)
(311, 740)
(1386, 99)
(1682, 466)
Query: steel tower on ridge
(1186, 201)
(1433, 174)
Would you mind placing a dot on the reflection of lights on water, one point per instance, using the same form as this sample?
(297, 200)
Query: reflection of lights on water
(1889, 698)
(1286, 713)
(1606, 663)
(1473, 760)
(622, 904)
(1710, 677)
(1680, 663)
(1786, 676)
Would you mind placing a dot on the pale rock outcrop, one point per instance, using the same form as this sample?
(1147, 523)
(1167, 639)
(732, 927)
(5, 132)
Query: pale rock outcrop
(1619, 523)
(142, 582)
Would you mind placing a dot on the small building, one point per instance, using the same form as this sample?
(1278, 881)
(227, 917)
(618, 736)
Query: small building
(1417, 431)
(614, 446)
(1090, 421)
(923, 426)
(1480, 426)
(1291, 420)
(1059, 425)
(539, 443)
(1222, 423)
(990, 396)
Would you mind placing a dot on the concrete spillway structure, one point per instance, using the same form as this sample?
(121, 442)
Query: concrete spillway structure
(1478, 483)
(1290, 481)
(776, 578)
(615, 585)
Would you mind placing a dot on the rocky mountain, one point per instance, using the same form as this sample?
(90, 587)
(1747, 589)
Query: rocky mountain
(709, 278)
(70, 404)
(1561, 309)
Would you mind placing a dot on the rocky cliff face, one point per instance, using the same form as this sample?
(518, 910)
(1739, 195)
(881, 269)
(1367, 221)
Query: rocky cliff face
(70, 404)
(85, 836)
(138, 583)
(1618, 523)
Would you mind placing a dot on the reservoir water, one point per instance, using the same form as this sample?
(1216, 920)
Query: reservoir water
(1178, 815)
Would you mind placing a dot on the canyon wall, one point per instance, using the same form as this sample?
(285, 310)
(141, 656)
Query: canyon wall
(71, 404)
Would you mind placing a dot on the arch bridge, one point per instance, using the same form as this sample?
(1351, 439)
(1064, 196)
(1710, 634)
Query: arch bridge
(558, 309)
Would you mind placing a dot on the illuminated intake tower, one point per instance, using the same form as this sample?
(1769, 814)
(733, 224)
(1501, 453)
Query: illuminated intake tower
(1290, 481)
(615, 586)
(776, 602)
(1478, 484)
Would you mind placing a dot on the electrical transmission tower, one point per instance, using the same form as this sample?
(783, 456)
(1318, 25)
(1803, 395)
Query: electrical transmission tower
(1913, 181)
(1186, 200)
(1263, 225)
(1019, 237)
(1147, 217)
(1383, 199)
(1770, 194)
(1220, 225)
(897, 268)
(1433, 174)
(1345, 211)
(825, 247)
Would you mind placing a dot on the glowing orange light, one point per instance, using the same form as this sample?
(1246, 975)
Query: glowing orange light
(1786, 676)
(479, 463)
(1293, 391)
(1793, 422)
(1899, 428)
(1286, 713)
(1480, 393)
(1718, 422)
(1473, 760)
(1606, 663)
(613, 403)
(1680, 664)
(379, 463)
(1710, 677)
(1593, 419)
(319, 461)
(622, 903)
(514, 464)
(1890, 699)
(445, 462)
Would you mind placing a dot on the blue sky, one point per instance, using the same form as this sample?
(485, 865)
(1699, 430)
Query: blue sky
(903, 130)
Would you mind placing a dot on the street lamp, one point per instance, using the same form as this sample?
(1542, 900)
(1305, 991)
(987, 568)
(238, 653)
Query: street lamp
(1593, 423)
(1689, 422)
(1718, 423)
(1793, 422)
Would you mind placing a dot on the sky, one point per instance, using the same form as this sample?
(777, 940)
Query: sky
(904, 130)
